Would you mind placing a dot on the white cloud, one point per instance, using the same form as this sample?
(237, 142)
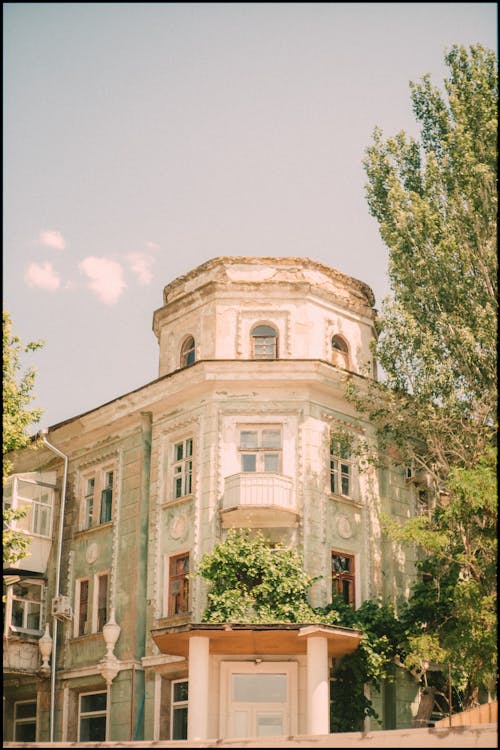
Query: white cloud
(152, 245)
(105, 278)
(141, 264)
(42, 275)
(52, 238)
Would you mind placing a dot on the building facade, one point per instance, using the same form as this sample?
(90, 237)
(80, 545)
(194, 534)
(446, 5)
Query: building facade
(246, 426)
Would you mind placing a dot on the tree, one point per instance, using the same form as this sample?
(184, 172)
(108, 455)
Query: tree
(436, 204)
(17, 418)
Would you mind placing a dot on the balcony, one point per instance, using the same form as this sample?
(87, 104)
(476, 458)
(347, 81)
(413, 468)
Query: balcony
(33, 494)
(258, 500)
(21, 656)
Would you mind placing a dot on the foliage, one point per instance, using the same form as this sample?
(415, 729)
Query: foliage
(373, 662)
(17, 417)
(457, 602)
(252, 582)
(436, 204)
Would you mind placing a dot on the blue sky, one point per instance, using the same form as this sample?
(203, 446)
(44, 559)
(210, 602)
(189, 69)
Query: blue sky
(140, 140)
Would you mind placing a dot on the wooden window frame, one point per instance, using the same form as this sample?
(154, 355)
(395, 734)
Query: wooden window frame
(339, 579)
(178, 585)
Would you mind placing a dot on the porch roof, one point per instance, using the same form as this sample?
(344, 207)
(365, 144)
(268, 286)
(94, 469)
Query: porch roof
(237, 638)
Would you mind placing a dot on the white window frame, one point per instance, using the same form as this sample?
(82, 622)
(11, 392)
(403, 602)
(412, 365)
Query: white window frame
(26, 720)
(88, 714)
(33, 507)
(182, 468)
(100, 476)
(260, 451)
(10, 598)
(175, 705)
(228, 668)
(340, 468)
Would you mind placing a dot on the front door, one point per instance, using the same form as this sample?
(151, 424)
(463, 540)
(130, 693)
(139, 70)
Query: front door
(258, 699)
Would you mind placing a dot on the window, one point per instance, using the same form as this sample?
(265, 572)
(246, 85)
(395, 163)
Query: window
(264, 343)
(82, 626)
(26, 605)
(188, 355)
(179, 715)
(343, 576)
(102, 601)
(107, 497)
(339, 351)
(340, 468)
(260, 449)
(178, 584)
(88, 503)
(25, 721)
(91, 604)
(183, 468)
(92, 717)
(97, 505)
(36, 499)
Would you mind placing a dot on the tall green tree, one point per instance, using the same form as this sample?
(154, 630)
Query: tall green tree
(17, 418)
(435, 200)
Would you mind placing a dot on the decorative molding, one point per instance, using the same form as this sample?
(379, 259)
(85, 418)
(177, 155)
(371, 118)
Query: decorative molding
(115, 543)
(96, 459)
(247, 318)
(92, 553)
(344, 527)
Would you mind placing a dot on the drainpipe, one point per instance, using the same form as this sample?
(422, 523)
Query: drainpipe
(43, 433)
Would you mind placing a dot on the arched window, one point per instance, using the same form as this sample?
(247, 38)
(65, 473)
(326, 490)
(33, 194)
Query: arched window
(264, 342)
(188, 352)
(340, 351)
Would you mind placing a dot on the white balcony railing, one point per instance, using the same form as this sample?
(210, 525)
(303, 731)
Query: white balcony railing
(258, 490)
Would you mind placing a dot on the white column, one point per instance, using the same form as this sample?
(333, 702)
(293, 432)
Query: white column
(198, 688)
(318, 696)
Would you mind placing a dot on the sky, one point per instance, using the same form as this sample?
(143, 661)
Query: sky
(143, 139)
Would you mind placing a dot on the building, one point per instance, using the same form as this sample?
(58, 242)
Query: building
(241, 429)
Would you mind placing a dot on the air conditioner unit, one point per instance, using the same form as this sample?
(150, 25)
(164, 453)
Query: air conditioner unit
(61, 608)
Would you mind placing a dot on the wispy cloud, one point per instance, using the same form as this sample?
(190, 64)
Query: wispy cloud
(141, 264)
(52, 238)
(105, 278)
(43, 276)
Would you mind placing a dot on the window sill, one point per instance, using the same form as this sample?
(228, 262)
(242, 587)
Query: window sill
(91, 529)
(177, 500)
(346, 500)
(31, 636)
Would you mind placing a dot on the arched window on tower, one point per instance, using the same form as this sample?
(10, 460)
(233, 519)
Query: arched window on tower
(340, 352)
(188, 352)
(264, 342)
